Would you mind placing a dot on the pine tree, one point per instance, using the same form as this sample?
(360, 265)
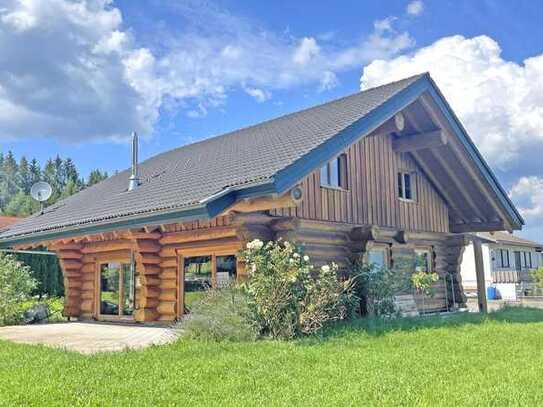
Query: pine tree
(70, 171)
(96, 176)
(60, 174)
(70, 189)
(35, 171)
(25, 177)
(9, 184)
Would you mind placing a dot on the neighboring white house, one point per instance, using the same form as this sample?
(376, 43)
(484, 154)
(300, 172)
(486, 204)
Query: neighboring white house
(507, 259)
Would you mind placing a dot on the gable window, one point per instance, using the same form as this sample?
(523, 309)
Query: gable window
(334, 173)
(406, 188)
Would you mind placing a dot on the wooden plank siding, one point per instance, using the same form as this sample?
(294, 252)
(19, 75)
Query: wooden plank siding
(371, 197)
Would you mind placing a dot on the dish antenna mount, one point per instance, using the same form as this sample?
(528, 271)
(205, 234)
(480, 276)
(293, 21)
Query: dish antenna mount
(41, 191)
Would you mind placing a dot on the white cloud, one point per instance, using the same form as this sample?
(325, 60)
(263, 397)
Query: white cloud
(80, 75)
(260, 95)
(500, 102)
(415, 8)
(69, 79)
(307, 50)
(527, 193)
(329, 81)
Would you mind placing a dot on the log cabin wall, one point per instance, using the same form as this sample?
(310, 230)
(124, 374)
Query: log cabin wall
(372, 194)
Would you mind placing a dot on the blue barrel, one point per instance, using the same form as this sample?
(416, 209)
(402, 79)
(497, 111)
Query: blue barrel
(491, 293)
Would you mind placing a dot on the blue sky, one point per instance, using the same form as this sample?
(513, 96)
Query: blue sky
(182, 71)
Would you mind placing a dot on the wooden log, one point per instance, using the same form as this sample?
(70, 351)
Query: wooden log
(150, 280)
(167, 318)
(150, 269)
(151, 259)
(69, 254)
(87, 295)
(168, 274)
(169, 262)
(168, 294)
(149, 302)
(146, 315)
(165, 284)
(166, 308)
(86, 306)
(88, 268)
(420, 141)
(198, 235)
(70, 264)
(148, 246)
(107, 246)
(87, 286)
(88, 276)
(149, 292)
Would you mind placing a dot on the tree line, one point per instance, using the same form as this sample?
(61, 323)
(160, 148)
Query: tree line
(16, 179)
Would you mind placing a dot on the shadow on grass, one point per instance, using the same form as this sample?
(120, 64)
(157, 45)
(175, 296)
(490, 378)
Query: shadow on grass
(381, 326)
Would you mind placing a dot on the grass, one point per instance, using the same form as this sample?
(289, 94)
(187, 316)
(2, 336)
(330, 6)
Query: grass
(461, 360)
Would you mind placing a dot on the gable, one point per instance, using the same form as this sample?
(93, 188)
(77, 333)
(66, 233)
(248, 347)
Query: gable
(371, 196)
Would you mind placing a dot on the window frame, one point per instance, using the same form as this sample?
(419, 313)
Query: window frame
(182, 254)
(123, 259)
(381, 248)
(502, 257)
(341, 163)
(401, 185)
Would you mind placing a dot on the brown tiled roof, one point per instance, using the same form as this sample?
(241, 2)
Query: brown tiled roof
(511, 239)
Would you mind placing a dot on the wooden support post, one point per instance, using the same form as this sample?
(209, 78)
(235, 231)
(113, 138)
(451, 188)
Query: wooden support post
(480, 273)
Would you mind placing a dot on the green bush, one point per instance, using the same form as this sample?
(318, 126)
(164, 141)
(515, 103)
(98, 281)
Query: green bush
(220, 315)
(16, 284)
(377, 286)
(288, 296)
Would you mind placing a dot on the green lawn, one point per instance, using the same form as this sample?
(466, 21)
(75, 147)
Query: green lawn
(457, 360)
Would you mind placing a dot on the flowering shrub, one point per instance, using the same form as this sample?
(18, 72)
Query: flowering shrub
(290, 297)
(423, 282)
(16, 284)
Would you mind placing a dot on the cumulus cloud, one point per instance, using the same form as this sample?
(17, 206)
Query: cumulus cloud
(65, 72)
(500, 102)
(415, 8)
(527, 193)
(81, 76)
(307, 49)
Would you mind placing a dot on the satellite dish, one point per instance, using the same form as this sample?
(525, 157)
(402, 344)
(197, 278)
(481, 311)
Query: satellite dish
(41, 191)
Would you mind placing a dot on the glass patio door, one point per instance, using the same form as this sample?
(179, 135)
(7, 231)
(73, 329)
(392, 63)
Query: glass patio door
(117, 289)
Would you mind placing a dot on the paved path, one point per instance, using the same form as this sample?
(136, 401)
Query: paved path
(89, 337)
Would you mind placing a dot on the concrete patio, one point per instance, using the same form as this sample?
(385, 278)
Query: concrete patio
(89, 337)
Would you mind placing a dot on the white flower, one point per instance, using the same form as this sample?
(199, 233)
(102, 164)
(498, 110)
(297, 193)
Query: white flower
(325, 268)
(255, 244)
(295, 255)
(306, 258)
(291, 261)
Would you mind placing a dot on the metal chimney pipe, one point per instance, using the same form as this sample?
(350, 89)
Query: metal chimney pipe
(134, 181)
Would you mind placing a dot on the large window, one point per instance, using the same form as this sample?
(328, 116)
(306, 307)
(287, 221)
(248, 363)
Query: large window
(406, 187)
(117, 289)
(334, 173)
(204, 272)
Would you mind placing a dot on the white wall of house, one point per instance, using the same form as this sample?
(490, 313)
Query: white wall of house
(467, 267)
(492, 263)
